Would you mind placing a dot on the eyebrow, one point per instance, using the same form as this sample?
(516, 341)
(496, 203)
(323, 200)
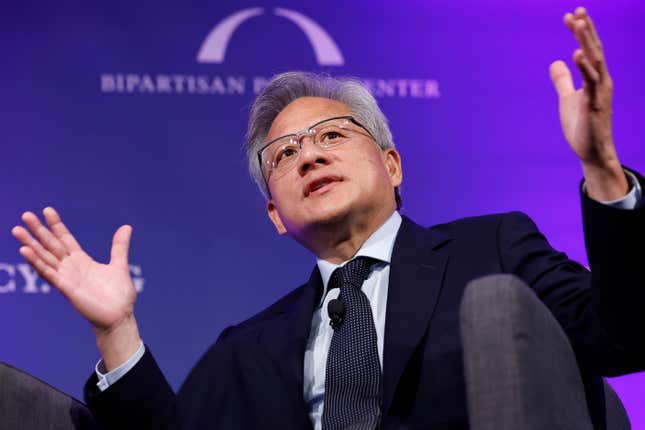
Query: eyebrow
(346, 116)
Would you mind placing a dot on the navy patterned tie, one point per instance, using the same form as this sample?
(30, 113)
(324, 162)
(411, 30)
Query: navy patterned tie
(353, 377)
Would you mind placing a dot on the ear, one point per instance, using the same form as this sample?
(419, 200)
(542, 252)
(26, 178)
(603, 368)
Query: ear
(392, 161)
(274, 216)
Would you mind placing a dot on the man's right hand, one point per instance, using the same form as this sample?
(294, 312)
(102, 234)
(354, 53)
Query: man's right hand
(102, 293)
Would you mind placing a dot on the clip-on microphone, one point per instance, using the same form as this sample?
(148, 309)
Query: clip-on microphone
(336, 311)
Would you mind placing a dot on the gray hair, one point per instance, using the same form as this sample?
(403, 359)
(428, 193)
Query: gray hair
(287, 87)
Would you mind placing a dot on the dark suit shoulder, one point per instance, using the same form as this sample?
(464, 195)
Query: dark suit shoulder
(277, 308)
(483, 223)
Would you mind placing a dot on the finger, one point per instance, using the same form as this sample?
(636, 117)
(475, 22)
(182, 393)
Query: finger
(561, 78)
(597, 43)
(589, 73)
(44, 270)
(121, 245)
(591, 49)
(582, 13)
(46, 238)
(60, 231)
(27, 240)
(569, 19)
(584, 30)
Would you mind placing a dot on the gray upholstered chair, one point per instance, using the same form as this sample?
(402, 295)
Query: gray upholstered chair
(509, 337)
(27, 403)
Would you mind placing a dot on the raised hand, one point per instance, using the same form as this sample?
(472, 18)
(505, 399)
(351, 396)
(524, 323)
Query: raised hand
(102, 293)
(586, 113)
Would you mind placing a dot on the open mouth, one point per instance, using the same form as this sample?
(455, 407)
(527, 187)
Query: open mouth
(322, 185)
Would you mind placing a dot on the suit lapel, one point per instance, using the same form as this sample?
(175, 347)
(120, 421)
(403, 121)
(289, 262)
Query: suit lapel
(416, 273)
(285, 336)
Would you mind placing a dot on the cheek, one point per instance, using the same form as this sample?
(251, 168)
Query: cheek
(287, 196)
(373, 169)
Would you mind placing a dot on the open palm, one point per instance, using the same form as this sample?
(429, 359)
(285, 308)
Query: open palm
(102, 293)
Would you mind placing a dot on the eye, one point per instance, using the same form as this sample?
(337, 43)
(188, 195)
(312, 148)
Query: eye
(284, 154)
(331, 137)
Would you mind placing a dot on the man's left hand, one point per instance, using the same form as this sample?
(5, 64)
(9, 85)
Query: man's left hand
(586, 113)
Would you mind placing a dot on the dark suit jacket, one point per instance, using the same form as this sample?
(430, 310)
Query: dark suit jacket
(252, 377)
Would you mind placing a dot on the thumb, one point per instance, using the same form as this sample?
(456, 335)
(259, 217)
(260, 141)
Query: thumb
(121, 246)
(561, 78)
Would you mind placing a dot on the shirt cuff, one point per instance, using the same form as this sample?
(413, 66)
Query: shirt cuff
(108, 378)
(633, 199)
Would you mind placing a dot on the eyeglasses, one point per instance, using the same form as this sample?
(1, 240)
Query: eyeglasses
(281, 154)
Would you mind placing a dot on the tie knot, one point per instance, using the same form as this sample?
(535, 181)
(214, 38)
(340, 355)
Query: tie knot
(353, 273)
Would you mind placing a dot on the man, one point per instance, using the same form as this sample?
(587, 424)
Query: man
(322, 154)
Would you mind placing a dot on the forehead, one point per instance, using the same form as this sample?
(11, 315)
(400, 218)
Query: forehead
(303, 112)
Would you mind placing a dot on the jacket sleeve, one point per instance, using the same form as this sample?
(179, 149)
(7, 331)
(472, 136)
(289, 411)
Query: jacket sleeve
(143, 399)
(601, 311)
(615, 242)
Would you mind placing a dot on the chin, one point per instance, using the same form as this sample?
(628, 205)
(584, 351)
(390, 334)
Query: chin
(330, 215)
(327, 211)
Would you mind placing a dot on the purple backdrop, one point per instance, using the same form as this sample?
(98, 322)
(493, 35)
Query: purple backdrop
(111, 114)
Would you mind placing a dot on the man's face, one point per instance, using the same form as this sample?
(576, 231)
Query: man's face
(349, 182)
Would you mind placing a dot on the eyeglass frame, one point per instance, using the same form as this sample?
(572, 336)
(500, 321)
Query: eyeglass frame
(306, 132)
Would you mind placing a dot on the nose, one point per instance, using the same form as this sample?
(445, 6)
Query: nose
(311, 156)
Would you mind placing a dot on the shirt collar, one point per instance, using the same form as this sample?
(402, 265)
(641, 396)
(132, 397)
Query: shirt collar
(378, 246)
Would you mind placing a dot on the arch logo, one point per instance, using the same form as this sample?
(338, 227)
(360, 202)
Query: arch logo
(213, 50)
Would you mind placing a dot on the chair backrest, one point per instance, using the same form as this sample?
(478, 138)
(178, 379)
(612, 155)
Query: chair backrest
(27, 403)
(520, 369)
(615, 413)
